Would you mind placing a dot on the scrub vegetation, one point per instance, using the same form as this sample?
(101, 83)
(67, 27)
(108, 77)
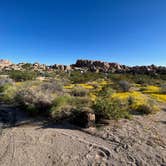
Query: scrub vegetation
(65, 96)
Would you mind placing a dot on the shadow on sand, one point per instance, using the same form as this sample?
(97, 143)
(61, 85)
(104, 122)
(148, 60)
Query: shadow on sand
(11, 116)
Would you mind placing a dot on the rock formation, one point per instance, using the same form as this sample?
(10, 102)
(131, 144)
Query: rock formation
(99, 66)
(84, 65)
(4, 63)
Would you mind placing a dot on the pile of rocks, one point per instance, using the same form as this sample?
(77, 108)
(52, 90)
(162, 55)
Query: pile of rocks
(84, 65)
(4, 63)
(99, 66)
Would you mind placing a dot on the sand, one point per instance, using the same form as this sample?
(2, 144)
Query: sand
(140, 141)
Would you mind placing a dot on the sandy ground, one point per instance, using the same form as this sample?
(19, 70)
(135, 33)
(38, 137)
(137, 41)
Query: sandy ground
(137, 142)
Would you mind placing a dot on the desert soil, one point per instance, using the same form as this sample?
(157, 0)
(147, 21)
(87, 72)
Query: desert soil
(137, 142)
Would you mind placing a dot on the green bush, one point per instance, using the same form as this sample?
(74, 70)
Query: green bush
(4, 83)
(61, 108)
(106, 109)
(106, 92)
(147, 109)
(80, 102)
(22, 75)
(80, 117)
(78, 77)
(34, 98)
(9, 93)
(79, 92)
(52, 86)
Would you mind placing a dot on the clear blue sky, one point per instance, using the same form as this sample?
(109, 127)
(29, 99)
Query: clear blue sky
(131, 32)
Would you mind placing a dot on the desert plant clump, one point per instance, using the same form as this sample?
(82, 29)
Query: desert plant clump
(5, 82)
(34, 100)
(83, 117)
(79, 92)
(124, 86)
(22, 75)
(163, 89)
(61, 108)
(79, 77)
(147, 108)
(110, 109)
(8, 94)
(52, 86)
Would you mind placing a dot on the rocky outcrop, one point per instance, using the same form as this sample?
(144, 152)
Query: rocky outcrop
(4, 63)
(61, 67)
(99, 66)
(83, 66)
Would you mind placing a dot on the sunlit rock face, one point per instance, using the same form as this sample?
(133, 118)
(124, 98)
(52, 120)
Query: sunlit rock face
(5, 62)
(86, 65)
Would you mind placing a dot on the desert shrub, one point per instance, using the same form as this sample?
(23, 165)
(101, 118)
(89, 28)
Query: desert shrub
(134, 101)
(22, 75)
(159, 97)
(163, 89)
(146, 108)
(150, 89)
(34, 100)
(9, 92)
(78, 77)
(109, 109)
(61, 108)
(52, 87)
(79, 92)
(106, 91)
(144, 79)
(80, 117)
(124, 86)
(68, 107)
(4, 82)
(80, 102)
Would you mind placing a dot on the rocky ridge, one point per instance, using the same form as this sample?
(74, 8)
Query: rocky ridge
(85, 65)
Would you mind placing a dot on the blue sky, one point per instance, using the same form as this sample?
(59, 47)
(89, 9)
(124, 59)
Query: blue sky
(131, 32)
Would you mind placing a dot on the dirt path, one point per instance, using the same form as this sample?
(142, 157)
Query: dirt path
(141, 141)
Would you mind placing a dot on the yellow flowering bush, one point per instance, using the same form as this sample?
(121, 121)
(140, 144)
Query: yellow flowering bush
(86, 86)
(151, 89)
(71, 86)
(159, 97)
(93, 97)
(137, 101)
